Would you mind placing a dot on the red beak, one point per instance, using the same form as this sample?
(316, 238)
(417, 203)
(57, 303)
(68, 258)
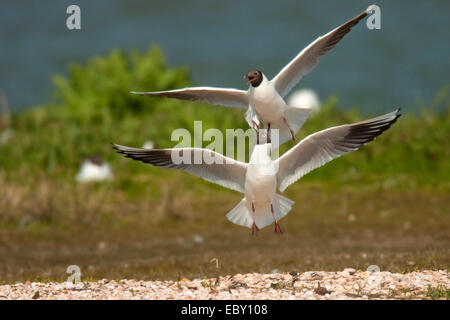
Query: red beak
(250, 79)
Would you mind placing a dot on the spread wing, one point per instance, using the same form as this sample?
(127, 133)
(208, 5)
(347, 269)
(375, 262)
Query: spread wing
(323, 146)
(218, 96)
(308, 58)
(203, 163)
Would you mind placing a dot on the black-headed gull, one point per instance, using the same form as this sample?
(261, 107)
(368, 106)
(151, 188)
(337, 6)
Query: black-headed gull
(264, 98)
(259, 179)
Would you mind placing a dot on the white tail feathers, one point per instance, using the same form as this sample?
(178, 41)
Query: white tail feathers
(242, 213)
(296, 117)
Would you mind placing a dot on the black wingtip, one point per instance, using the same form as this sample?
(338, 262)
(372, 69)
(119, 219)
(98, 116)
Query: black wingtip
(397, 113)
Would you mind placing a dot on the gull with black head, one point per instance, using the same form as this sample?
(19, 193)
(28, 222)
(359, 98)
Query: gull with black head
(264, 100)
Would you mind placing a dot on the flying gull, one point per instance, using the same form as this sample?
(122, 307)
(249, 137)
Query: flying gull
(259, 179)
(264, 99)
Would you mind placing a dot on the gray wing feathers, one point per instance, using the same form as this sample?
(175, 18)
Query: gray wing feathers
(323, 146)
(224, 171)
(218, 96)
(308, 58)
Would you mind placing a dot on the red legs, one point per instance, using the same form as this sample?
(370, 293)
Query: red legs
(277, 229)
(290, 129)
(256, 127)
(254, 226)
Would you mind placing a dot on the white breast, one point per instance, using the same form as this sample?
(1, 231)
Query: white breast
(260, 187)
(266, 102)
(260, 179)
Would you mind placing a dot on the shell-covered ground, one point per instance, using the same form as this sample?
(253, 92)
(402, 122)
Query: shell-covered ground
(346, 284)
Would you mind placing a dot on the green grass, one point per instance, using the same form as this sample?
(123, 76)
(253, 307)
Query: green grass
(386, 204)
(438, 292)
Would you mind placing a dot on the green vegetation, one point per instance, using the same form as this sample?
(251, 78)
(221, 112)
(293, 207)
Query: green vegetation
(94, 108)
(386, 204)
(438, 292)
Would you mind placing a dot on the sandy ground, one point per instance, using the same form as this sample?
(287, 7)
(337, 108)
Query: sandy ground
(346, 284)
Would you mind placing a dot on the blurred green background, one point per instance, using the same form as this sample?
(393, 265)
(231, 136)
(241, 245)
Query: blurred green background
(386, 204)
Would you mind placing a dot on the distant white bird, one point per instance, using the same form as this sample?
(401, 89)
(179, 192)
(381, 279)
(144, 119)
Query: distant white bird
(264, 98)
(259, 179)
(305, 98)
(149, 144)
(94, 169)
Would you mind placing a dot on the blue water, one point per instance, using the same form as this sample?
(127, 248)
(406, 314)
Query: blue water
(403, 64)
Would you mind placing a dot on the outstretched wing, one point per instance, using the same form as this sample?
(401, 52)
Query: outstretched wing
(308, 58)
(218, 96)
(204, 163)
(323, 146)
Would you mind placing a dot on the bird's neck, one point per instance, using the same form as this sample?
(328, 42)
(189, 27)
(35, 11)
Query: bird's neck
(259, 156)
